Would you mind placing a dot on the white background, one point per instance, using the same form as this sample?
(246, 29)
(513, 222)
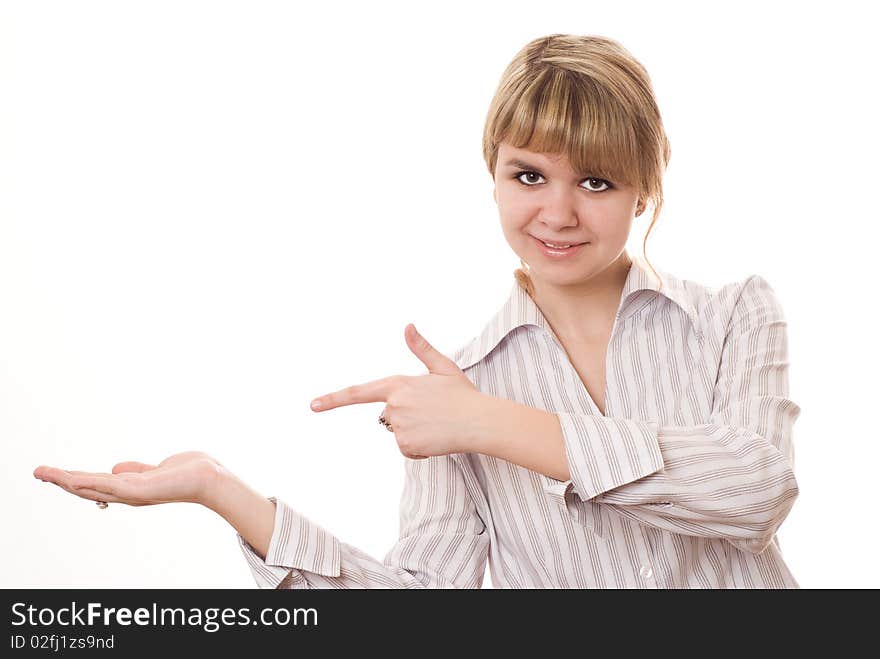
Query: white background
(212, 212)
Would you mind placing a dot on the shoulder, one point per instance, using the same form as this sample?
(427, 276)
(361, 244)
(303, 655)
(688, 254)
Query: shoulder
(748, 296)
(746, 307)
(753, 299)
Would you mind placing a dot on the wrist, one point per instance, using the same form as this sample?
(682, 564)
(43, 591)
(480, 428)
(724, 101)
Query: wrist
(220, 484)
(488, 428)
(251, 514)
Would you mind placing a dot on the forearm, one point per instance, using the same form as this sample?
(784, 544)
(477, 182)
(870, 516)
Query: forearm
(525, 436)
(249, 513)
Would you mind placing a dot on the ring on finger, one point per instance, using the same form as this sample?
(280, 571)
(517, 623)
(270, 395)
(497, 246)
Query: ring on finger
(385, 423)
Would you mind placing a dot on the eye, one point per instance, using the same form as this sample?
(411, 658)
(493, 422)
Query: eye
(591, 181)
(521, 174)
(601, 181)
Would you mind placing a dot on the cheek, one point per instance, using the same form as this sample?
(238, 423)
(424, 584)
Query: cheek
(611, 222)
(515, 235)
(515, 205)
(615, 227)
(512, 214)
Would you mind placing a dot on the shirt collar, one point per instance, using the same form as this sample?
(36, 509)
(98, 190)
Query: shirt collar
(520, 309)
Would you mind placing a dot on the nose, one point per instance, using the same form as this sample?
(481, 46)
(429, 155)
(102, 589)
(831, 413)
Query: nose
(560, 209)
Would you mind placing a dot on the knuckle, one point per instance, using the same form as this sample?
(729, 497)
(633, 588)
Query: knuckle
(201, 455)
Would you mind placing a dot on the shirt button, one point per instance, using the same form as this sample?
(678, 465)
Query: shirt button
(646, 572)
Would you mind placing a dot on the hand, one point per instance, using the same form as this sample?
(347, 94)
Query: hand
(433, 414)
(184, 477)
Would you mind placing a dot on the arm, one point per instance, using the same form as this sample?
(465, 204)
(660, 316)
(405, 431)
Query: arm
(730, 478)
(250, 514)
(442, 541)
(523, 435)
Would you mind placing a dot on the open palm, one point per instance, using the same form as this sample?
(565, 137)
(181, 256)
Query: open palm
(183, 477)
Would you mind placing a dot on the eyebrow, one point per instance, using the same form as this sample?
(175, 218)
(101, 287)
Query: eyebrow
(519, 163)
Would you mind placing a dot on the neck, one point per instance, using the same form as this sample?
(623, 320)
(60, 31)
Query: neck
(584, 312)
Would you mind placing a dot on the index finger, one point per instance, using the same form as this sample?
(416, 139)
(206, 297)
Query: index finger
(375, 391)
(67, 478)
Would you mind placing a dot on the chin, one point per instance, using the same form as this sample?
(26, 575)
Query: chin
(575, 276)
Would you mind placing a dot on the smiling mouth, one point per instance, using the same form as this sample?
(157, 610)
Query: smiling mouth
(558, 245)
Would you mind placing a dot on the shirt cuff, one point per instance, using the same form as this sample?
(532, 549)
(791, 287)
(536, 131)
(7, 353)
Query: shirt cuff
(585, 513)
(604, 453)
(296, 544)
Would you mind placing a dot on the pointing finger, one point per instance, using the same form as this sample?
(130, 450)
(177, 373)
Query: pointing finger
(370, 392)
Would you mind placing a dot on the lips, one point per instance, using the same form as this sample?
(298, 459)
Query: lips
(554, 244)
(558, 253)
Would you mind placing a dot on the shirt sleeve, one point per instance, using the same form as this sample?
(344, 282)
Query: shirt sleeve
(731, 477)
(443, 541)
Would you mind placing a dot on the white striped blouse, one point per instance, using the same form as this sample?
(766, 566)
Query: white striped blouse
(682, 483)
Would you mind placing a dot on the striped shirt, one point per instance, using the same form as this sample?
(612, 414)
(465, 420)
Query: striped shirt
(681, 483)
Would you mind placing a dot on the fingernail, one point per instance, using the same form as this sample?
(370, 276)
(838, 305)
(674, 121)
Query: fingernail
(316, 404)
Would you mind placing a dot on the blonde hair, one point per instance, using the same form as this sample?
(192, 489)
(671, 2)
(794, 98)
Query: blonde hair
(588, 98)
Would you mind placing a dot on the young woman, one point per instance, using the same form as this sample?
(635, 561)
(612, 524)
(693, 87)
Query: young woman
(612, 426)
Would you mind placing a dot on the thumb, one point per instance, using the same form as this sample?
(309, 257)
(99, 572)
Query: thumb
(125, 467)
(435, 360)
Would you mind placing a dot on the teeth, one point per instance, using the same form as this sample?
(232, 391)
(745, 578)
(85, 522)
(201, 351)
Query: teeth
(556, 246)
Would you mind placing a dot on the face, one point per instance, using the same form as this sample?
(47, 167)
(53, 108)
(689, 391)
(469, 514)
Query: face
(539, 197)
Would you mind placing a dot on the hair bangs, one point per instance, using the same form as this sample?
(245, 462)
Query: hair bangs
(563, 113)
